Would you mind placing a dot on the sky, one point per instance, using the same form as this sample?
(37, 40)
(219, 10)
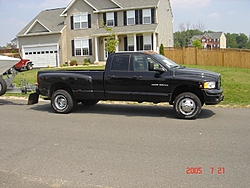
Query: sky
(228, 16)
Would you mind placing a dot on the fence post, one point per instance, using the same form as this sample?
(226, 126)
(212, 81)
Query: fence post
(195, 56)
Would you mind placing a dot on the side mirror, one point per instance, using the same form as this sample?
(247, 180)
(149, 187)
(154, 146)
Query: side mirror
(151, 66)
(159, 70)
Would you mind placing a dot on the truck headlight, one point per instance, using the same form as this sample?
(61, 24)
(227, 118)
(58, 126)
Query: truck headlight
(209, 85)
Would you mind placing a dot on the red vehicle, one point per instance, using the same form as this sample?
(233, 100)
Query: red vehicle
(22, 64)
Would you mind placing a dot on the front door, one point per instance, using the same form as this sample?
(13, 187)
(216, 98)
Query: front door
(149, 85)
(104, 47)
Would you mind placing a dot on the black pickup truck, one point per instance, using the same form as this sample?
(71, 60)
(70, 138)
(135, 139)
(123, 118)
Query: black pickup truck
(132, 76)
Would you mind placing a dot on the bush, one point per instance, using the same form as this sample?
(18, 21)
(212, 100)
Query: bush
(162, 49)
(73, 63)
(86, 62)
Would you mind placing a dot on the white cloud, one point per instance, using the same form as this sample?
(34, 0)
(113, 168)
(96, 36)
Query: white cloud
(214, 15)
(189, 4)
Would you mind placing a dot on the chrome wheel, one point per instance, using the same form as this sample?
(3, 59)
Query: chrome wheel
(187, 106)
(61, 102)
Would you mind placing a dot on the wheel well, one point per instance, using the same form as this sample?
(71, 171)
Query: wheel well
(58, 86)
(187, 88)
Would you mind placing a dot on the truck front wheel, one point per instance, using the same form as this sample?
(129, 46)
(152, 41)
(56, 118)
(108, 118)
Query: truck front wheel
(62, 101)
(187, 106)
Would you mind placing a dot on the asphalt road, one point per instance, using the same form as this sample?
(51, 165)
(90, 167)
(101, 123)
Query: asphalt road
(118, 145)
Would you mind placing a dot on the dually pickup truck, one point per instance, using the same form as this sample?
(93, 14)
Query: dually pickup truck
(132, 76)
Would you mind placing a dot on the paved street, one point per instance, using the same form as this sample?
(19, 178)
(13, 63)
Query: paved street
(118, 145)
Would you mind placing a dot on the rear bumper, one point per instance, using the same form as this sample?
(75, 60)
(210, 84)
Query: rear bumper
(213, 96)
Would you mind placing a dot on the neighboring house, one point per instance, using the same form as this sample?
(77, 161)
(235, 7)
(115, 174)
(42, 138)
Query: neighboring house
(211, 40)
(59, 35)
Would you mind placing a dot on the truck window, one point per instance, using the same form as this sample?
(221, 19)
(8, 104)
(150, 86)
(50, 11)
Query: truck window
(120, 63)
(141, 63)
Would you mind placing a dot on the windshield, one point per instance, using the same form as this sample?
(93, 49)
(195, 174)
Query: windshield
(165, 61)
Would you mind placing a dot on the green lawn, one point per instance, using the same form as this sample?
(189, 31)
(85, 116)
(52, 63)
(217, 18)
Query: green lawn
(235, 82)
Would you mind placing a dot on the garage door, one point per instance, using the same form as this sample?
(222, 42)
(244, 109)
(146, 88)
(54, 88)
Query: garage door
(42, 56)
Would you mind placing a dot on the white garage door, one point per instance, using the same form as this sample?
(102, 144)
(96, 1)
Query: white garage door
(42, 56)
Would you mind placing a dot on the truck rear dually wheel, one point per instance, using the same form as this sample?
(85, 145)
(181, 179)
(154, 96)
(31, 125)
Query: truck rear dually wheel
(62, 101)
(3, 86)
(187, 106)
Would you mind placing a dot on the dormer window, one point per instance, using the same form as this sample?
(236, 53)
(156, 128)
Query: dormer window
(110, 19)
(146, 16)
(131, 17)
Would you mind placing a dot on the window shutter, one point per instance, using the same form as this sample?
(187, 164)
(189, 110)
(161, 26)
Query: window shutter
(152, 41)
(152, 15)
(137, 43)
(124, 18)
(90, 46)
(141, 42)
(140, 16)
(72, 22)
(115, 18)
(89, 20)
(136, 17)
(104, 18)
(125, 43)
(73, 47)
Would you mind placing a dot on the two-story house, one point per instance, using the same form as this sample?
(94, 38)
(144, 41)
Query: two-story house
(56, 36)
(215, 40)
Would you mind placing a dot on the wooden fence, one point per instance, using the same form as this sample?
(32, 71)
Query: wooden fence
(220, 57)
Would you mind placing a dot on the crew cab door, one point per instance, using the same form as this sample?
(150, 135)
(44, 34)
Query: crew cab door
(117, 78)
(149, 85)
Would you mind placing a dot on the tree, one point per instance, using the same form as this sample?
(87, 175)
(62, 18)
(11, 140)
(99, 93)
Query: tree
(162, 49)
(197, 44)
(231, 41)
(112, 42)
(241, 40)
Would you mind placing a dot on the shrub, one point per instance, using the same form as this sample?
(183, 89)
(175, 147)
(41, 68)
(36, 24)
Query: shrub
(86, 62)
(73, 63)
(162, 49)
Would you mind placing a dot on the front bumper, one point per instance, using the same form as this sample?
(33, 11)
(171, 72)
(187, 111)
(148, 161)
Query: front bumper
(213, 96)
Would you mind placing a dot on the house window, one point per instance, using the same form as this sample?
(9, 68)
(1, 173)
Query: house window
(131, 17)
(81, 21)
(131, 43)
(203, 40)
(146, 16)
(110, 19)
(81, 47)
(147, 43)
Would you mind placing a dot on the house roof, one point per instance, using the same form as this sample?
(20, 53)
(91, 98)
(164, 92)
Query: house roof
(127, 29)
(214, 35)
(137, 3)
(49, 19)
(102, 5)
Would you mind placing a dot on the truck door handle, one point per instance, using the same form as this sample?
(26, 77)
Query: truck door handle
(111, 76)
(137, 77)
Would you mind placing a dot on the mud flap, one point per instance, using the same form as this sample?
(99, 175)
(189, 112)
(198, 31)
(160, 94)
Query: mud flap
(33, 98)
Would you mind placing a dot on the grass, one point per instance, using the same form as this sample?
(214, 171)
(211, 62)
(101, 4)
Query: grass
(235, 82)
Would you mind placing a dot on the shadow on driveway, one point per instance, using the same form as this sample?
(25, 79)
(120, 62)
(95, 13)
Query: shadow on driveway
(129, 110)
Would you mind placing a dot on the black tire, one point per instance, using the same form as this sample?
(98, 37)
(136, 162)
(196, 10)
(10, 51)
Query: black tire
(89, 102)
(3, 86)
(63, 101)
(29, 66)
(187, 106)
